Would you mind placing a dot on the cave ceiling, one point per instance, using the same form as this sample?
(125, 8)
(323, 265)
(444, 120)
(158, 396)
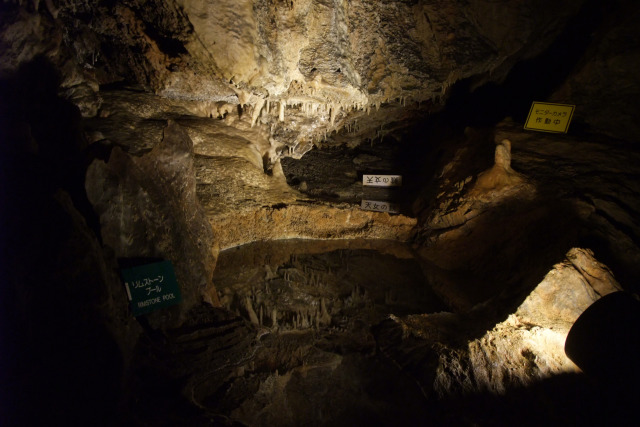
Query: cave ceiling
(298, 71)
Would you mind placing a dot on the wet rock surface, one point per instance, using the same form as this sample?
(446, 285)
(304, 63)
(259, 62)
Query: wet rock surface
(319, 338)
(300, 348)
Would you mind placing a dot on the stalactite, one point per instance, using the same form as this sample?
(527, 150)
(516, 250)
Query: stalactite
(252, 314)
(256, 110)
(333, 113)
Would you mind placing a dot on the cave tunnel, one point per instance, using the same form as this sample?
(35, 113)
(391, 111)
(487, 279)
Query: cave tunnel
(190, 237)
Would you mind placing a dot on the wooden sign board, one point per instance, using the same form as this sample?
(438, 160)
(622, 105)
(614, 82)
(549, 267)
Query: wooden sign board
(548, 117)
(151, 286)
(378, 206)
(382, 180)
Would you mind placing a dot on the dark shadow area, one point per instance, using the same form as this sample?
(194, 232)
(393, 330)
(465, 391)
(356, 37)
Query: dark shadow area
(497, 262)
(199, 357)
(508, 250)
(136, 262)
(335, 174)
(598, 177)
(569, 399)
(566, 399)
(423, 145)
(605, 340)
(530, 80)
(60, 364)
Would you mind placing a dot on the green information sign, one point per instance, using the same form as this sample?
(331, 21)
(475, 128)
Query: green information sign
(151, 286)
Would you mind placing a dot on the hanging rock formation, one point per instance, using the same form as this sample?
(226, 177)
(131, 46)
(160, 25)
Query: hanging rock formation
(302, 68)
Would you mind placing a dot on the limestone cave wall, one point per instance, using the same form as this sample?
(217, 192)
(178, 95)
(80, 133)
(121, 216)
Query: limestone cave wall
(231, 138)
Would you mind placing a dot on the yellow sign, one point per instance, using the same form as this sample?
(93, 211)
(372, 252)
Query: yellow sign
(547, 117)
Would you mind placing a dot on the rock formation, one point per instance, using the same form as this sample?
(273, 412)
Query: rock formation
(231, 138)
(301, 69)
(148, 210)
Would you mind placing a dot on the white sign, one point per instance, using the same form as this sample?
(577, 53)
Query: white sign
(382, 180)
(374, 205)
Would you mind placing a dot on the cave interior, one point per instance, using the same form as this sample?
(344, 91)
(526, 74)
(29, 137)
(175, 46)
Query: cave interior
(235, 140)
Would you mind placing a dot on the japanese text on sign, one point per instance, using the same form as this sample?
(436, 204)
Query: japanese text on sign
(378, 206)
(548, 117)
(151, 286)
(382, 180)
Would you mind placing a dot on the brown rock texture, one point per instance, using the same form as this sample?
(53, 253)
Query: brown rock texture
(284, 62)
(310, 222)
(239, 179)
(566, 190)
(598, 177)
(148, 209)
(530, 343)
(525, 348)
(604, 86)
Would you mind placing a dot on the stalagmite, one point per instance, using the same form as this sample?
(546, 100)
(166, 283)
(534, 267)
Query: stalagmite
(281, 112)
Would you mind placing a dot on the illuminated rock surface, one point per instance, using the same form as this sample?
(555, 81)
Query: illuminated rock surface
(232, 137)
(298, 69)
